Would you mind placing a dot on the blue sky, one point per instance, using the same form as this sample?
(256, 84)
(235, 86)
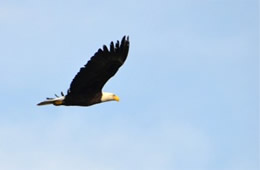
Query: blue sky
(189, 89)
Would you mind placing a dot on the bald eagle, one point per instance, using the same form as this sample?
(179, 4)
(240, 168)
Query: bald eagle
(86, 88)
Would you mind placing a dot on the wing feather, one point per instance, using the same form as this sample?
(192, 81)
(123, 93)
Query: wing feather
(100, 68)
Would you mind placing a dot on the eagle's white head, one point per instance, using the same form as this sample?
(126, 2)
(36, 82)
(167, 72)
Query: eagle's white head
(109, 97)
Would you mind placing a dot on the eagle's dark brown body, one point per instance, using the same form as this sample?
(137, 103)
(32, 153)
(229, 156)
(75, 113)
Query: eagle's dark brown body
(82, 100)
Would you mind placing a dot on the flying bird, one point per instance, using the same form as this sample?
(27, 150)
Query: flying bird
(86, 87)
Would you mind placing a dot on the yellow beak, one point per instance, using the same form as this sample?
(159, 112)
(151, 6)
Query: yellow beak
(116, 98)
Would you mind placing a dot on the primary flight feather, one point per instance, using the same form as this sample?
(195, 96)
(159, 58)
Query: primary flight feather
(86, 87)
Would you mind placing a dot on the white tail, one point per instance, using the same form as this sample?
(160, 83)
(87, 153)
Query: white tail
(55, 101)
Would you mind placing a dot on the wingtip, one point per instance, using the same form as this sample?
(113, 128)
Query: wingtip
(41, 104)
(125, 38)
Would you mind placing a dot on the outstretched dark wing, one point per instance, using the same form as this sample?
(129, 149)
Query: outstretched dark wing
(100, 68)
